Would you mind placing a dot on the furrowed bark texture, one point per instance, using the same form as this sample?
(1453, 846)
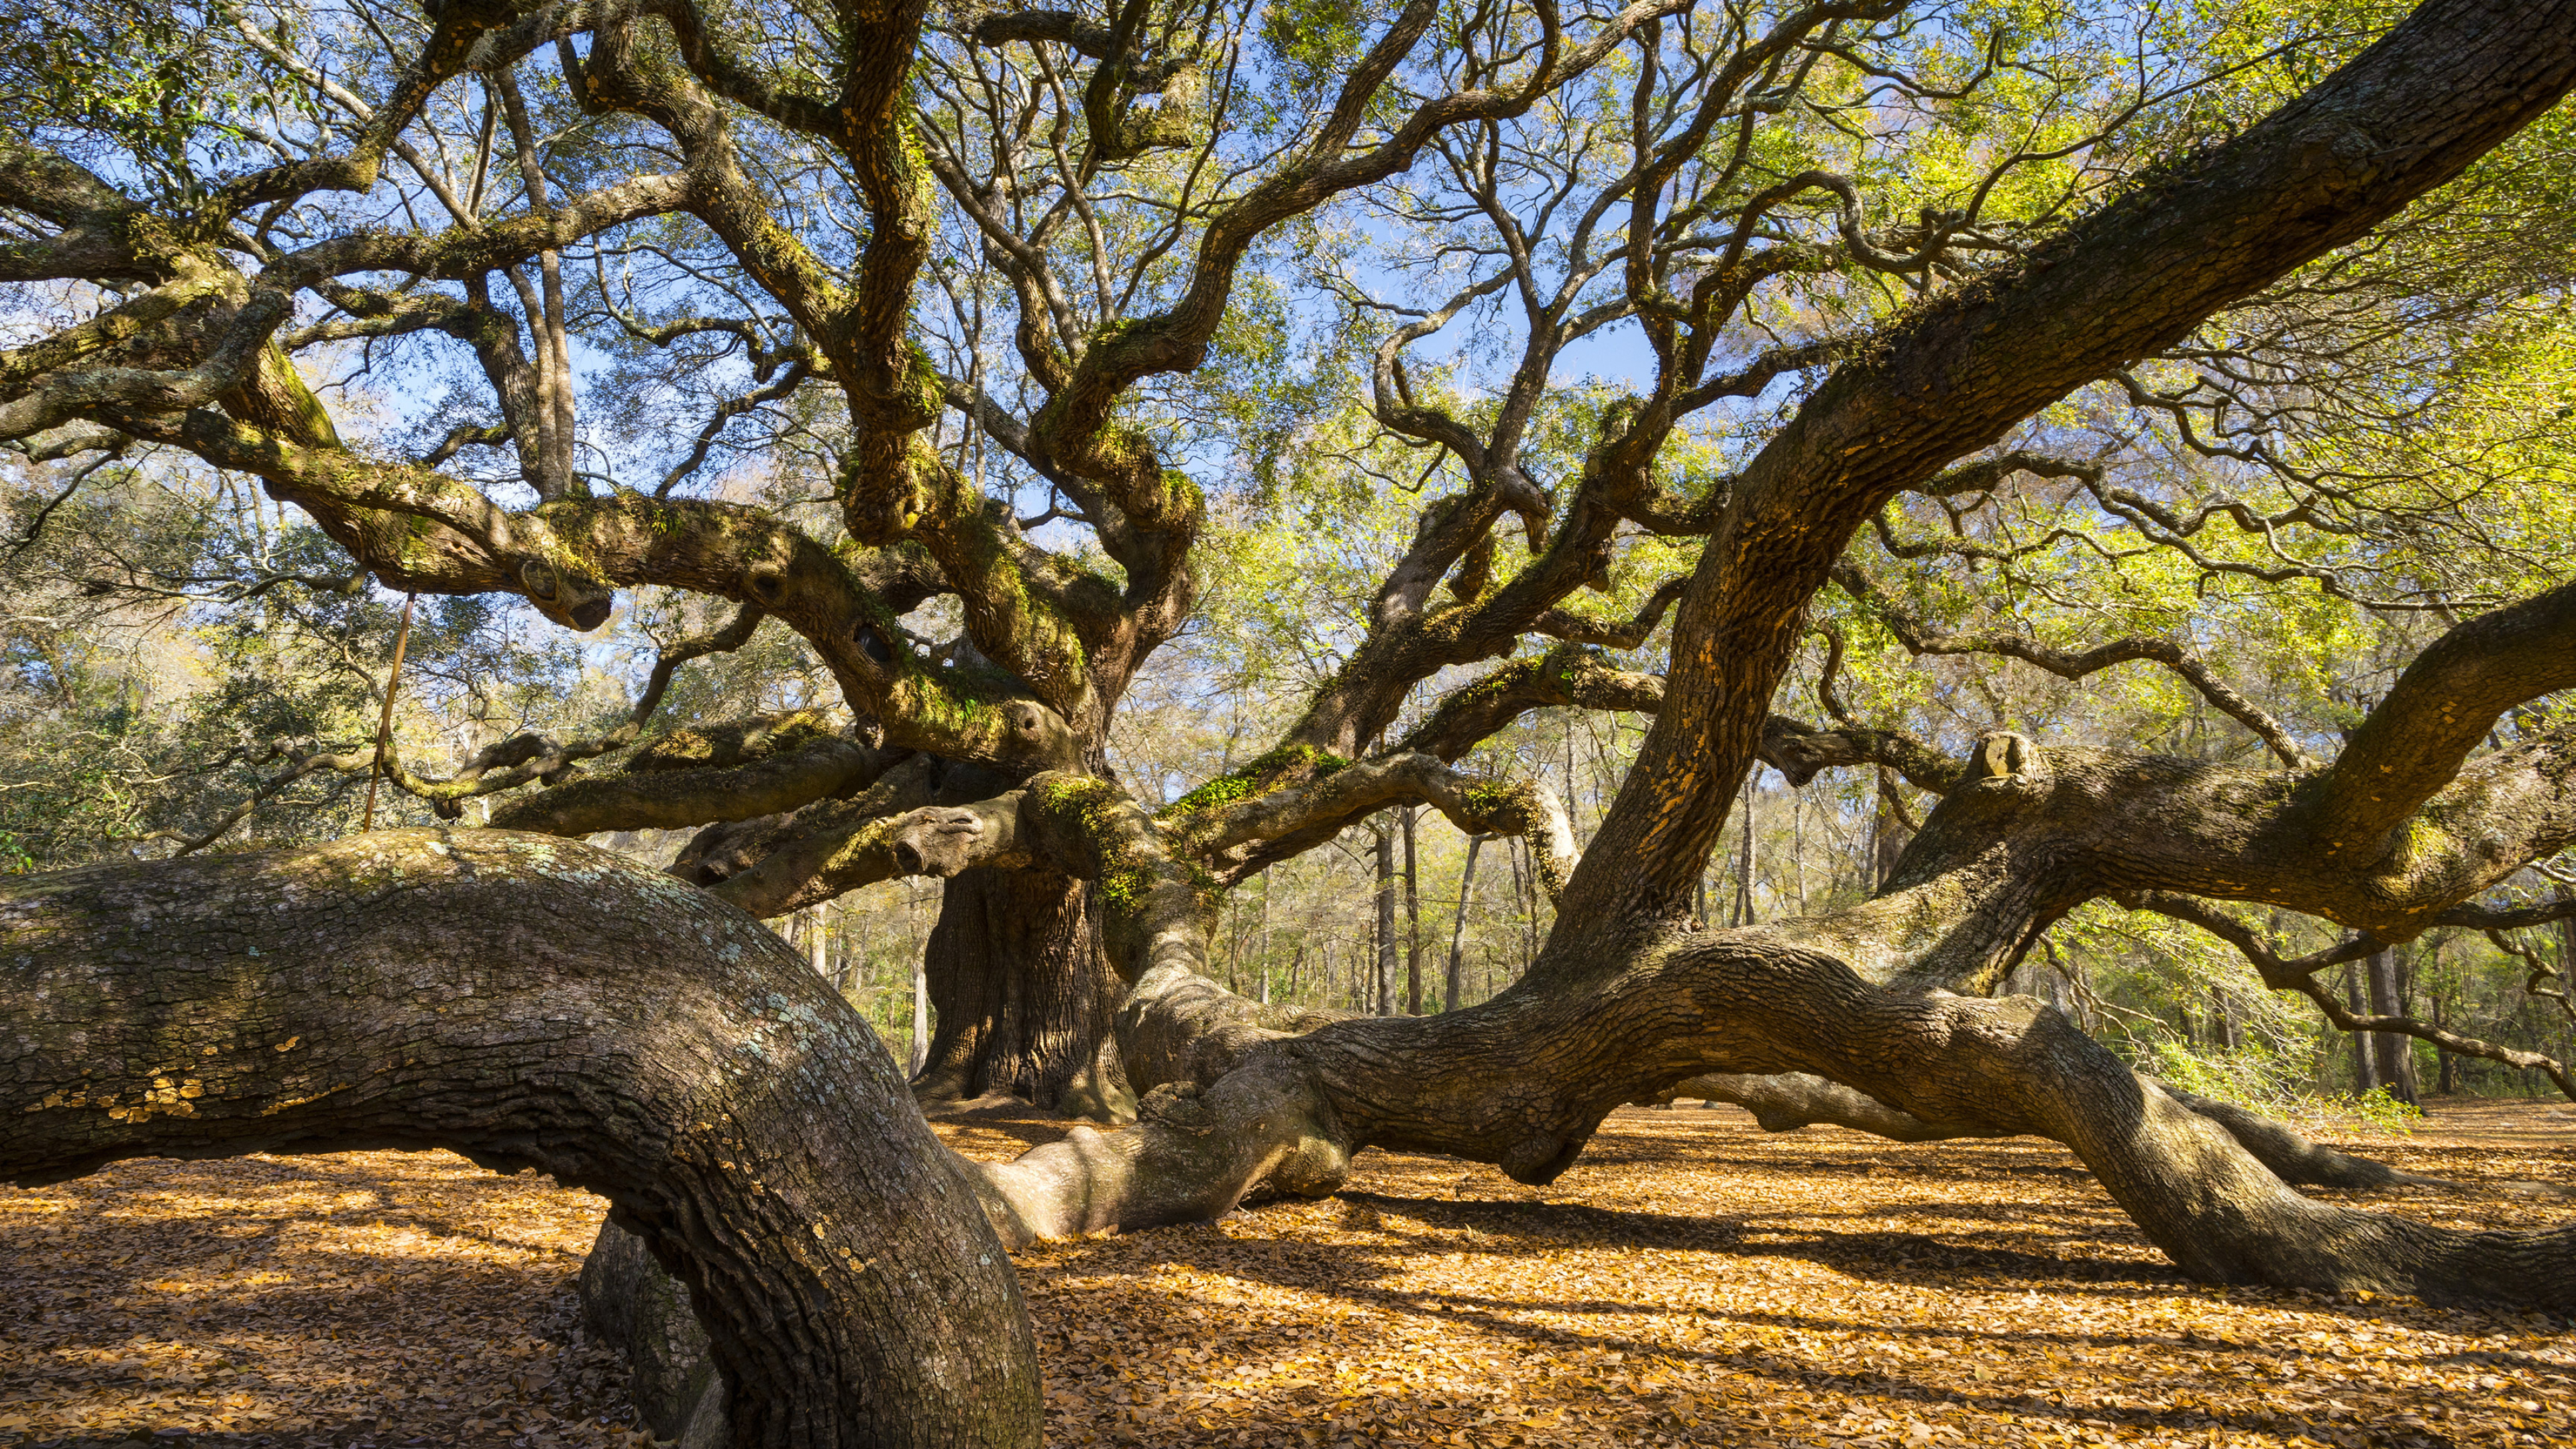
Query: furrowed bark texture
(646, 1314)
(1023, 997)
(1013, 962)
(532, 1002)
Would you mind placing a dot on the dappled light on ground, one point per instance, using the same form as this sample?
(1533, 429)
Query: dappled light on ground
(1694, 1281)
(1690, 1281)
(376, 1298)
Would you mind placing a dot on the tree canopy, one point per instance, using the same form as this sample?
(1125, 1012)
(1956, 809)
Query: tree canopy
(1104, 458)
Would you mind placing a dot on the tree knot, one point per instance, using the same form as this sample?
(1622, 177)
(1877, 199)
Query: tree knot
(2006, 761)
(1175, 1105)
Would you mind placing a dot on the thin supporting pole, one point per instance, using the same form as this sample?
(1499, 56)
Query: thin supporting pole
(385, 724)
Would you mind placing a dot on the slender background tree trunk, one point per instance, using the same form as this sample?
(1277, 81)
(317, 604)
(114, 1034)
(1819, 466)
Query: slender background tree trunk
(1887, 831)
(1412, 919)
(2393, 1053)
(2365, 1064)
(1451, 985)
(1384, 1004)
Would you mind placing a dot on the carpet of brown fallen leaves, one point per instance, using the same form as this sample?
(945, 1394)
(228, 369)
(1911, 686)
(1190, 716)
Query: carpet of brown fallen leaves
(1690, 1281)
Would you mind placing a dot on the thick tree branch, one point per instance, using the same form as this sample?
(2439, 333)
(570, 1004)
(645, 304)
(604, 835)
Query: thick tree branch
(1242, 836)
(773, 866)
(1793, 1100)
(507, 764)
(534, 1003)
(2442, 88)
(1572, 676)
(671, 799)
(2413, 744)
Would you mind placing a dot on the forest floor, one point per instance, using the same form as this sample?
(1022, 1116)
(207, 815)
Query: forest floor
(1691, 1281)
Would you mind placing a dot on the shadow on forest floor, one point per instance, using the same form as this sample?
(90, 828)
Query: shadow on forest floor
(1690, 1281)
(1693, 1280)
(373, 1298)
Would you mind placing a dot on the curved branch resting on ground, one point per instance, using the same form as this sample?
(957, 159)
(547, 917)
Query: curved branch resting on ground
(1789, 1101)
(531, 1002)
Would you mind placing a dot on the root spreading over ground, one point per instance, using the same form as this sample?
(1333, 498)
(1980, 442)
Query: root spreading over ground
(1691, 1281)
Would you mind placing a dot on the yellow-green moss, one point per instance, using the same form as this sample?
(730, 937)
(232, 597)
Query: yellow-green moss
(1286, 765)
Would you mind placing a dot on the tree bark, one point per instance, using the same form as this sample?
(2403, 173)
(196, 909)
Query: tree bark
(1451, 986)
(1384, 1002)
(1022, 996)
(2393, 1055)
(1791, 1100)
(1877, 997)
(533, 1003)
(646, 1314)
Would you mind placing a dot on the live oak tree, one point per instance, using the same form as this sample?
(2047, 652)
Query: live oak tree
(1914, 295)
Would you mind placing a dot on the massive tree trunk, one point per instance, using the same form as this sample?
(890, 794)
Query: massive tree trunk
(532, 1002)
(1888, 998)
(1023, 997)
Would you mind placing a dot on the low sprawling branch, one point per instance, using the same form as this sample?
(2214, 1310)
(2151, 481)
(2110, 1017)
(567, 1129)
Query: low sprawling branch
(1791, 1100)
(674, 799)
(534, 1003)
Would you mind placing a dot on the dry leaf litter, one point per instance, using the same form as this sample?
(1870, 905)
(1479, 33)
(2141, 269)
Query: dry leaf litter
(1691, 1281)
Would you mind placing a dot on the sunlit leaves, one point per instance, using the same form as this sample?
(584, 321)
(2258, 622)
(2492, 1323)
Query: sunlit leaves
(147, 80)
